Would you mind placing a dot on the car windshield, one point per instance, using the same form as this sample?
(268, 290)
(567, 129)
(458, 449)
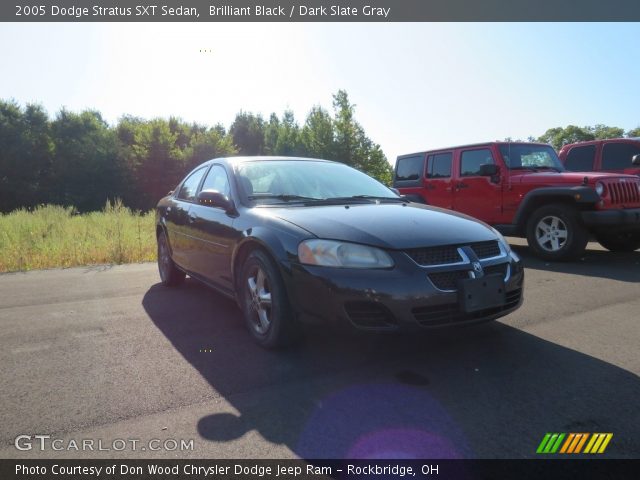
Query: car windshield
(270, 181)
(519, 156)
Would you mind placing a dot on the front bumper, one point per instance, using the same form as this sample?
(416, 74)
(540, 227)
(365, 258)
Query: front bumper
(402, 298)
(620, 220)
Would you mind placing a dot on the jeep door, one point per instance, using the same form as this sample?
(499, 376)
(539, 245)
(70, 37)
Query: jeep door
(438, 182)
(474, 194)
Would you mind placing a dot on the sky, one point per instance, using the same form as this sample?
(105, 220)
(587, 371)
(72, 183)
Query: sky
(416, 86)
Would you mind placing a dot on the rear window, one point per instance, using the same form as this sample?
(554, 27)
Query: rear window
(617, 156)
(580, 159)
(410, 168)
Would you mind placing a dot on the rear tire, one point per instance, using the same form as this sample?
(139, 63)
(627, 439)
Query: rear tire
(264, 302)
(620, 242)
(554, 232)
(170, 275)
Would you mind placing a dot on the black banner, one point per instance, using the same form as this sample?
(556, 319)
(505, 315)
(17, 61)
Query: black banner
(319, 11)
(547, 469)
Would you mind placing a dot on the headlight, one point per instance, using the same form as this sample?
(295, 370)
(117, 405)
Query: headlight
(501, 239)
(330, 253)
(600, 188)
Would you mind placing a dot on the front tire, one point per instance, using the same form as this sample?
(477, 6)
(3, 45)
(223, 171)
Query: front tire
(620, 242)
(170, 275)
(264, 302)
(554, 232)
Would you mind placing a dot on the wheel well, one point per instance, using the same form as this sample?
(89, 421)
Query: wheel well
(241, 256)
(538, 202)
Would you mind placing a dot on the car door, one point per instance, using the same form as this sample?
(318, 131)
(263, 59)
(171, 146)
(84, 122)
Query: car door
(178, 218)
(212, 230)
(438, 181)
(474, 194)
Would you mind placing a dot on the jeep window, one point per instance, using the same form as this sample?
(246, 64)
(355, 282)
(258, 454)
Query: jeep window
(471, 160)
(580, 159)
(190, 185)
(439, 165)
(617, 156)
(410, 168)
(524, 156)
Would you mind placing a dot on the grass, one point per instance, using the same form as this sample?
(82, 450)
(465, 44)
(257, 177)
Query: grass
(52, 236)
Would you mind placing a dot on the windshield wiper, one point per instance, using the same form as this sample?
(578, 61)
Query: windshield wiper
(284, 197)
(367, 197)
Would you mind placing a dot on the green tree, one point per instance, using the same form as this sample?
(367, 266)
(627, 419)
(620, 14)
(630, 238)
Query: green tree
(26, 152)
(247, 131)
(87, 167)
(601, 132)
(635, 132)
(317, 136)
(558, 137)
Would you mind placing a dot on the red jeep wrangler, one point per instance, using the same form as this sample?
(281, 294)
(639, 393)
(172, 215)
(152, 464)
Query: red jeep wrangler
(523, 190)
(618, 155)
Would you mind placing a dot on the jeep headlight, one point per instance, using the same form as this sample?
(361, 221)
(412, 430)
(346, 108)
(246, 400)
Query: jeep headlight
(600, 188)
(331, 253)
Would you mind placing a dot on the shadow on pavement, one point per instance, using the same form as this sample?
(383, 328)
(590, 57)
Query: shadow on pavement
(594, 263)
(490, 391)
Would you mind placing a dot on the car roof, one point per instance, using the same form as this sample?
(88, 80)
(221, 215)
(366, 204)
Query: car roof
(609, 140)
(263, 158)
(470, 145)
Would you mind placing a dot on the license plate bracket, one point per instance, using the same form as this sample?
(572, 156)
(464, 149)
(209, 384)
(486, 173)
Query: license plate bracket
(476, 294)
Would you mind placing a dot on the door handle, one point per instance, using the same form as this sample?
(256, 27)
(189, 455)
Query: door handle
(430, 186)
(461, 185)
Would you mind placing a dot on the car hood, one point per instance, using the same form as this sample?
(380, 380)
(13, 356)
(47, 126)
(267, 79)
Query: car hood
(391, 226)
(562, 178)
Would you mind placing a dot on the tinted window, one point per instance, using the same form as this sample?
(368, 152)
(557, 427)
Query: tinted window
(440, 165)
(410, 168)
(217, 180)
(190, 185)
(580, 159)
(617, 156)
(471, 160)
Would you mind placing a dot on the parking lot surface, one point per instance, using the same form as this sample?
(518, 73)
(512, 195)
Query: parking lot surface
(107, 353)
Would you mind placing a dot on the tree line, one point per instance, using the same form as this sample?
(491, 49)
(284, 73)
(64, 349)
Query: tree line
(79, 160)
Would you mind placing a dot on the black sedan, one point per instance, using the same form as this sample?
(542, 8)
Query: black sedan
(301, 240)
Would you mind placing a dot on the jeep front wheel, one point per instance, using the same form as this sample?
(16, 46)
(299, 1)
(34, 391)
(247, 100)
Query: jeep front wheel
(554, 232)
(619, 242)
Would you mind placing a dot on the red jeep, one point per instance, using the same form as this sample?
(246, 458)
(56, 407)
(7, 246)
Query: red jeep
(618, 155)
(523, 190)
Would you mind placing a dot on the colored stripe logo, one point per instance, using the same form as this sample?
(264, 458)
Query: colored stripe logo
(574, 443)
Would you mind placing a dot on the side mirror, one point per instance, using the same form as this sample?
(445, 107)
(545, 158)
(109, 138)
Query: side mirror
(213, 198)
(635, 160)
(489, 170)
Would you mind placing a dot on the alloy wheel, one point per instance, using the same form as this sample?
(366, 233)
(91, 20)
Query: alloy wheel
(260, 300)
(551, 233)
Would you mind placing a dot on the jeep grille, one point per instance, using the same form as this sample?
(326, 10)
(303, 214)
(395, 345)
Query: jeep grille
(624, 193)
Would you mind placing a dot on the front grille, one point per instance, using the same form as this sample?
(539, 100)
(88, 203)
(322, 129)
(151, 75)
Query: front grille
(486, 249)
(501, 268)
(435, 255)
(448, 280)
(369, 315)
(623, 193)
(440, 315)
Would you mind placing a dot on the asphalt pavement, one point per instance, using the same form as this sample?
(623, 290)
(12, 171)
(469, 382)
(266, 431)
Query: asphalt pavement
(106, 354)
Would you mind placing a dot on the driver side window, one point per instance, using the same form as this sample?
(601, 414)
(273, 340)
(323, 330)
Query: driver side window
(190, 186)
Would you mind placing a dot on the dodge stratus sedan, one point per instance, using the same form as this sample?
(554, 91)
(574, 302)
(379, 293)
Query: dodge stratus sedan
(297, 240)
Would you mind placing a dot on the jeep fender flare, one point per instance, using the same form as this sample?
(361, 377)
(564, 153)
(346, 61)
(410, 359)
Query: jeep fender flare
(579, 196)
